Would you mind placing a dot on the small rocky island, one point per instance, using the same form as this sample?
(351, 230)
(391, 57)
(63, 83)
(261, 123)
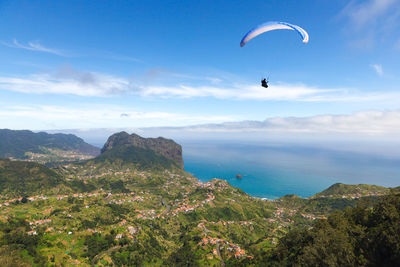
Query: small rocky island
(239, 176)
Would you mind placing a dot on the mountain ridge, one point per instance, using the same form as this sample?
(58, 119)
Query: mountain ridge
(16, 143)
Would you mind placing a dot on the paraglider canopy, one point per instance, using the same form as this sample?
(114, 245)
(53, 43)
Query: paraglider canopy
(274, 25)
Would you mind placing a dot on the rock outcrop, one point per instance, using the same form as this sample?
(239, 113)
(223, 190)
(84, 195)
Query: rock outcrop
(162, 146)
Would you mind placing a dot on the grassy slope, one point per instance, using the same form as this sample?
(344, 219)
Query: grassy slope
(175, 236)
(17, 143)
(339, 190)
(141, 158)
(20, 178)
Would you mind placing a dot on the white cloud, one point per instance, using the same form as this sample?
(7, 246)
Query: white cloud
(365, 13)
(365, 122)
(378, 68)
(67, 81)
(94, 116)
(214, 80)
(243, 91)
(371, 20)
(364, 126)
(70, 81)
(33, 46)
(276, 92)
(36, 46)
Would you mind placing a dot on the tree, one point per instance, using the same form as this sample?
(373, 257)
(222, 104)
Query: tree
(357, 236)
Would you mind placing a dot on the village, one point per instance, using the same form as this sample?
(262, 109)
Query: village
(179, 206)
(281, 216)
(55, 155)
(220, 243)
(78, 214)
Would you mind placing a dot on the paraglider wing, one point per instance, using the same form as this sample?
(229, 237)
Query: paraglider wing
(274, 25)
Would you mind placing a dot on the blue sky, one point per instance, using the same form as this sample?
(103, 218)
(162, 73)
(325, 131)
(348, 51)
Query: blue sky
(114, 64)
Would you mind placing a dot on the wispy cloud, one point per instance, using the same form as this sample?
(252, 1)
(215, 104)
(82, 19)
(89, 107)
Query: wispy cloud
(276, 92)
(366, 13)
(378, 68)
(371, 19)
(240, 91)
(33, 46)
(38, 47)
(67, 80)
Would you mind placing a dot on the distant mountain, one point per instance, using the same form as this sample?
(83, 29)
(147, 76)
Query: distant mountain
(18, 178)
(16, 143)
(137, 149)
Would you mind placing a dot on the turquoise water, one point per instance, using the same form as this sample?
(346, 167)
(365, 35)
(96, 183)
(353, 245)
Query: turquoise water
(274, 171)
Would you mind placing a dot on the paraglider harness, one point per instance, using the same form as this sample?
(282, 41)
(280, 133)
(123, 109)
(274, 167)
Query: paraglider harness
(264, 83)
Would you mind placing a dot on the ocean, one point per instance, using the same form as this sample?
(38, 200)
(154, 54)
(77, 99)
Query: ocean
(272, 171)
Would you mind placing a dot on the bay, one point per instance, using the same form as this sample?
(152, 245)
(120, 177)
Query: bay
(274, 170)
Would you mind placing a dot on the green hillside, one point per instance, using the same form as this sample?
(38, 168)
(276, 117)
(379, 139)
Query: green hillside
(138, 157)
(360, 236)
(16, 143)
(348, 190)
(122, 149)
(132, 206)
(161, 146)
(116, 214)
(20, 178)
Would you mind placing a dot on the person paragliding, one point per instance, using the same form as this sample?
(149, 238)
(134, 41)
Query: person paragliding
(264, 83)
(270, 26)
